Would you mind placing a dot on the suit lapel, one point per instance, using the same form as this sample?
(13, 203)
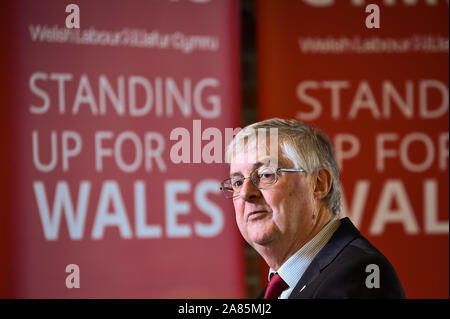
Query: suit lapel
(341, 238)
(310, 274)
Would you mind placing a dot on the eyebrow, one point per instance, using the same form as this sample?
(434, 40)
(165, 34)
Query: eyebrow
(254, 166)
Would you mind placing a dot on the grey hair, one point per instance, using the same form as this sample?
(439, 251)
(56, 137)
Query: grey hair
(307, 147)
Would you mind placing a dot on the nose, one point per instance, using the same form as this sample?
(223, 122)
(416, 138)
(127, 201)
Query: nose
(249, 191)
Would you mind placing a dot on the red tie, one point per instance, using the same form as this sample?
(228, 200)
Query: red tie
(275, 287)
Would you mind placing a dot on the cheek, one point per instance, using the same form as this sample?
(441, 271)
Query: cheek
(276, 200)
(293, 203)
(238, 210)
(290, 193)
(237, 205)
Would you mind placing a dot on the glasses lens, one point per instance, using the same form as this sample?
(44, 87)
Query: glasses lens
(227, 188)
(264, 176)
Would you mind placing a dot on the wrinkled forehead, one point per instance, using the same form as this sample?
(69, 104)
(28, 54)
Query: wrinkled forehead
(257, 152)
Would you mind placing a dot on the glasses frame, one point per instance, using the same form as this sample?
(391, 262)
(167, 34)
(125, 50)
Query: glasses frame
(227, 193)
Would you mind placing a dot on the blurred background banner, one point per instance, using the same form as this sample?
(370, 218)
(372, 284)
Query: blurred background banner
(382, 96)
(116, 136)
(113, 136)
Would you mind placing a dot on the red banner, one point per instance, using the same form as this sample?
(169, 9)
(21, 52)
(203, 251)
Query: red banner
(119, 114)
(375, 78)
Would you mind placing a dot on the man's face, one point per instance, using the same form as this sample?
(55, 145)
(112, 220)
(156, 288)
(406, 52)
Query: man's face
(280, 215)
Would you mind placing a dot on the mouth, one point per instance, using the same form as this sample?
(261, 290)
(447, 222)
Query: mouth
(256, 215)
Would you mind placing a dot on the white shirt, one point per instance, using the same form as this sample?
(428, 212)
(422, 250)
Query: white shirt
(293, 268)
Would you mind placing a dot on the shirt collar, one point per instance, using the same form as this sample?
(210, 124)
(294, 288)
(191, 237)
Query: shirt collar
(293, 268)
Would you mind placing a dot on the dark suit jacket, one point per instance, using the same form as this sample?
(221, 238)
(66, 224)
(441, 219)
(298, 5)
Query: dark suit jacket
(339, 270)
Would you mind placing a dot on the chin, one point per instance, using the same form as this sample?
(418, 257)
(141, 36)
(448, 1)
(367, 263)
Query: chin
(261, 240)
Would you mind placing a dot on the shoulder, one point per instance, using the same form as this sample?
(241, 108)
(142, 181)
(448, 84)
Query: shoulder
(360, 250)
(353, 248)
(359, 270)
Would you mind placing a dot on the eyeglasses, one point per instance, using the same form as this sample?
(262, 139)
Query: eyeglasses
(261, 177)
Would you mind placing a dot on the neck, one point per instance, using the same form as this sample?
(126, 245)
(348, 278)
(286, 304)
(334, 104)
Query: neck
(278, 252)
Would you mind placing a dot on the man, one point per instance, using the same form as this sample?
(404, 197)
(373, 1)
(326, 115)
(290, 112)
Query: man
(287, 206)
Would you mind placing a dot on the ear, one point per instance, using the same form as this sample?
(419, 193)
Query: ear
(323, 182)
